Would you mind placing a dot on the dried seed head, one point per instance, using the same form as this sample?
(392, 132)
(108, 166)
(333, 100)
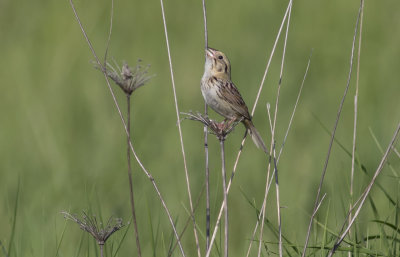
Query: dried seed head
(125, 78)
(90, 224)
(220, 129)
(126, 72)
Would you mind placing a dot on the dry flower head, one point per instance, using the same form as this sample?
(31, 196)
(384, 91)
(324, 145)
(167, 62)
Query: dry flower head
(127, 78)
(220, 129)
(90, 224)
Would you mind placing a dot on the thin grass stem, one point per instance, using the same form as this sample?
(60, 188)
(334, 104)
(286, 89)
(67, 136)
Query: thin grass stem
(109, 33)
(180, 129)
(152, 180)
(14, 222)
(207, 168)
(205, 24)
(295, 107)
(270, 58)
(283, 144)
(101, 250)
(207, 171)
(272, 147)
(364, 195)
(225, 203)
(264, 204)
(333, 133)
(61, 239)
(278, 204)
(131, 194)
(244, 138)
(187, 221)
(353, 152)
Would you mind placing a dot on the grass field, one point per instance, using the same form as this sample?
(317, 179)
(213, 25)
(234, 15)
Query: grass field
(63, 145)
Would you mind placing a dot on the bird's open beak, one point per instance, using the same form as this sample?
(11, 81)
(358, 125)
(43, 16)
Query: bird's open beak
(209, 52)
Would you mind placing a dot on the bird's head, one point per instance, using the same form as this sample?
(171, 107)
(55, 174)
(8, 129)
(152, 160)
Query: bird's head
(217, 64)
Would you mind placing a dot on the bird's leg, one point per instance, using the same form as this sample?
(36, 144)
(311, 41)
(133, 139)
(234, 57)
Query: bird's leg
(225, 124)
(230, 122)
(220, 126)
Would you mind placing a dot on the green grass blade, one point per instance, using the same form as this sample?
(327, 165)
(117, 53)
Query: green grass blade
(382, 152)
(14, 223)
(324, 236)
(273, 229)
(362, 166)
(3, 249)
(376, 237)
(384, 238)
(172, 239)
(392, 226)
(122, 239)
(61, 238)
(78, 250)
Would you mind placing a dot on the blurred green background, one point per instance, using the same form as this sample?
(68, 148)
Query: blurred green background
(62, 138)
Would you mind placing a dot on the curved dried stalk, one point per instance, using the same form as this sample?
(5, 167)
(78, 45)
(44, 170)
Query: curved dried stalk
(180, 129)
(317, 199)
(364, 195)
(244, 138)
(131, 195)
(126, 130)
(280, 151)
(353, 152)
(272, 148)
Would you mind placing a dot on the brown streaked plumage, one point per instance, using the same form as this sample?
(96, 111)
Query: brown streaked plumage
(221, 94)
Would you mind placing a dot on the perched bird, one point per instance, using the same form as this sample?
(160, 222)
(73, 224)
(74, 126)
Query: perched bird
(222, 96)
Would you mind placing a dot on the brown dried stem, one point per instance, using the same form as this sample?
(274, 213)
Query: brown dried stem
(317, 199)
(225, 193)
(244, 138)
(131, 194)
(126, 130)
(207, 169)
(364, 195)
(180, 129)
(221, 130)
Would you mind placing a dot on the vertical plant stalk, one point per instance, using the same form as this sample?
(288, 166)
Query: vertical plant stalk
(205, 24)
(109, 33)
(270, 57)
(280, 152)
(278, 204)
(295, 107)
(225, 203)
(221, 130)
(356, 111)
(207, 167)
(263, 206)
(128, 155)
(207, 171)
(317, 199)
(149, 176)
(252, 113)
(188, 221)
(364, 195)
(272, 148)
(267, 183)
(180, 129)
(14, 223)
(101, 246)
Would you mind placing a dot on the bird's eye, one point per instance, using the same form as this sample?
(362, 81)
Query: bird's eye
(220, 57)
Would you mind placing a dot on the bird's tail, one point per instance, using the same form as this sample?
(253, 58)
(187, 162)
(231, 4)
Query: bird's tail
(255, 135)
